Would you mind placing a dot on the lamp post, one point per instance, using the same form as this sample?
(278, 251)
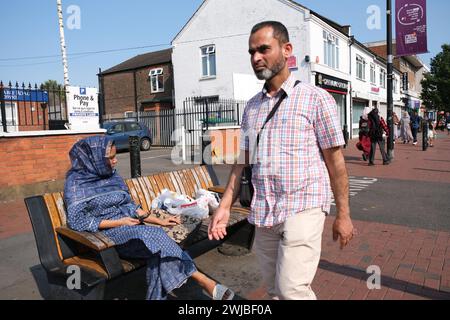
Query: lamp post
(62, 40)
(390, 76)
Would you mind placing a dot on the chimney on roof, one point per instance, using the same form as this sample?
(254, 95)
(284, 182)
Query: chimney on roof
(347, 30)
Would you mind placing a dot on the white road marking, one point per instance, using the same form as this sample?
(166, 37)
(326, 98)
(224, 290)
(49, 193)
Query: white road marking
(357, 185)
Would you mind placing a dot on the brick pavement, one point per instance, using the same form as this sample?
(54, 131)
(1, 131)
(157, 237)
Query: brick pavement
(414, 262)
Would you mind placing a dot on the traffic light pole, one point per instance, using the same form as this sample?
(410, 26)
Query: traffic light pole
(390, 79)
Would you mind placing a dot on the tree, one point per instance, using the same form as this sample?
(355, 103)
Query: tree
(436, 84)
(51, 85)
(56, 99)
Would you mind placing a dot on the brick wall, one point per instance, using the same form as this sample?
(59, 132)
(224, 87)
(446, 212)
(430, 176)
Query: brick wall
(119, 93)
(34, 165)
(119, 89)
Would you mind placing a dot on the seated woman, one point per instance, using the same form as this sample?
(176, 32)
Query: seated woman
(98, 199)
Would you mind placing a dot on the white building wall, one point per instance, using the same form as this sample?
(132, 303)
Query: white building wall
(227, 25)
(365, 90)
(317, 54)
(317, 50)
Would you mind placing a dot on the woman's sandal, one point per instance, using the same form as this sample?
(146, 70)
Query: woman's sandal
(221, 292)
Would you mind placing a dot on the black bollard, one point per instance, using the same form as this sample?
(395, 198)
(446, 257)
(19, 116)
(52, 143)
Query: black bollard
(135, 157)
(425, 136)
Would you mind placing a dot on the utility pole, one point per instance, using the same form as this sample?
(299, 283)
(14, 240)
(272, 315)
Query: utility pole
(63, 44)
(390, 79)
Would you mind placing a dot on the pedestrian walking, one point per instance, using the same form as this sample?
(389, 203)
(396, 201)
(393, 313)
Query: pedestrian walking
(415, 125)
(364, 143)
(396, 121)
(298, 160)
(98, 200)
(431, 132)
(379, 131)
(405, 128)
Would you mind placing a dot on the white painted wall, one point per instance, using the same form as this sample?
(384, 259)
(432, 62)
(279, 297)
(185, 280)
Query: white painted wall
(227, 24)
(317, 50)
(363, 89)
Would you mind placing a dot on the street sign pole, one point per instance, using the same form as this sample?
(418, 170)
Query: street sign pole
(390, 78)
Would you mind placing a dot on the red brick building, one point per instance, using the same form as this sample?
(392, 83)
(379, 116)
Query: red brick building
(142, 83)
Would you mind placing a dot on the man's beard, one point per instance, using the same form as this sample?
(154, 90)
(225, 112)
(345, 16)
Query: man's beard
(269, 73)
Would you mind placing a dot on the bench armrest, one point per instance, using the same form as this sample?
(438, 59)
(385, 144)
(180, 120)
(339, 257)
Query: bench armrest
(220, 190)
(95, 241)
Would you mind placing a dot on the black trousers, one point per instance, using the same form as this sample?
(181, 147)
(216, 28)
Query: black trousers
(381, 144)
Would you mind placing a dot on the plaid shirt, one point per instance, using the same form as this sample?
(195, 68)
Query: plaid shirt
(289, 172)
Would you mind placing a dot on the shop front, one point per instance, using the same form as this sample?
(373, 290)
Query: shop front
(338, 88)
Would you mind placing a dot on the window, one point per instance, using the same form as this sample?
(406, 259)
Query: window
(331, 50)
(133, 127)
(395, 85)
(208, 61)
(383, 78)
(157, 80)
(129, 114)
(372, 74)
(360, 68)
(118, 128)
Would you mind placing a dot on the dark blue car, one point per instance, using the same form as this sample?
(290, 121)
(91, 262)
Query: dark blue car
(120, 131)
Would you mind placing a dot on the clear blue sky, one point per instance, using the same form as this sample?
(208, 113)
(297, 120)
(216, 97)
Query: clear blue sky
(30, 29)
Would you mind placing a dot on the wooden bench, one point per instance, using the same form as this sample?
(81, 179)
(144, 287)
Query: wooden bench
(102, 271)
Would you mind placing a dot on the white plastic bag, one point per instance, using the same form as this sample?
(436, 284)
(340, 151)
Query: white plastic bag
(177, 204)
(170, 201)
(211, 197)
(196, 209)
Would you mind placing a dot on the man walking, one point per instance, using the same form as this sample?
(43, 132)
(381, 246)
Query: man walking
(299, 159)
(415, 125)
(378, 132)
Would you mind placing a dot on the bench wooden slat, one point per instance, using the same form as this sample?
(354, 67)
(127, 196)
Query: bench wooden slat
(208, 177)
(193, 182)
(154, 185)
(133, 192)
(140, 194)
(166, 182)
(148, 187)
(185, 182)
(54, 217)
(196, 178)
(201, 177)
(180, 183)
(160, 182)
(145, 192)
(169, 182)
(174, 181)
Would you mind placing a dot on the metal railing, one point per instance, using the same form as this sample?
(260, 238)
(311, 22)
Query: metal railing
(197, 115)
(27, 108)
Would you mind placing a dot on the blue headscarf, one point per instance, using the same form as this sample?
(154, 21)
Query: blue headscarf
(91, 175)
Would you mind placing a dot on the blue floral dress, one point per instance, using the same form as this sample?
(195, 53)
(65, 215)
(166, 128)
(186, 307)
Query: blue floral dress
(168, 265)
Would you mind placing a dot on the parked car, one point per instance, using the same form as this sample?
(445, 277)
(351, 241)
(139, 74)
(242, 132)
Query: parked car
(120, 131)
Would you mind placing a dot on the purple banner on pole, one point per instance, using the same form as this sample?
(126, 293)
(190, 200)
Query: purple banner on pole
(411, 27)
